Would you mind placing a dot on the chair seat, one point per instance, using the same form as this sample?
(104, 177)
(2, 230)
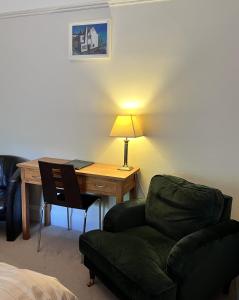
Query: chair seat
(120, 254)
(87, 201)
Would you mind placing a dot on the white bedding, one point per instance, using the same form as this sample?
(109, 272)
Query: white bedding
(21, 284)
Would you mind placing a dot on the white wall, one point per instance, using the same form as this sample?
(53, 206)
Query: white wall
(178, 60)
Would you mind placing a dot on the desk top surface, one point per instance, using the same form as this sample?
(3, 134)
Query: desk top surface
(96, 169)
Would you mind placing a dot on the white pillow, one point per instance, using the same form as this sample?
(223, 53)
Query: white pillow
(21, 284)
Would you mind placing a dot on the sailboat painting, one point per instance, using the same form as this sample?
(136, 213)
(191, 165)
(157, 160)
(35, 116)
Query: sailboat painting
(90, 40)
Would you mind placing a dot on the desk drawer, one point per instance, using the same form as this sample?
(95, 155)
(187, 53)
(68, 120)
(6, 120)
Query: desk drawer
(32, 176)
(98, 186)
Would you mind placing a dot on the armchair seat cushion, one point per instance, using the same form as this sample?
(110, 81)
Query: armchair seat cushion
(158, 242)
(2, 206)
(3, 198)
(122, 252)
(2, 203)
(3, 193)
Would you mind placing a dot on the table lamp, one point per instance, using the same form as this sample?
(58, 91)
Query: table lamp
(127, 127)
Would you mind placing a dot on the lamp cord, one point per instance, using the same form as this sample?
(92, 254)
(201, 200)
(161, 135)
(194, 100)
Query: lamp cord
(140, 188)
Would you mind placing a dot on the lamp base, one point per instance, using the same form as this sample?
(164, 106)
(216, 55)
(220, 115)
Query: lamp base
(125, 168)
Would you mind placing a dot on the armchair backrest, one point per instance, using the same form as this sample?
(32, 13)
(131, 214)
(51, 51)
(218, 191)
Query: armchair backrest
(178, 207)
(7, 168)
(227, 209)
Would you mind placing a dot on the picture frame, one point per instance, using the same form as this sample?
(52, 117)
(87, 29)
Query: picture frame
(90, 40)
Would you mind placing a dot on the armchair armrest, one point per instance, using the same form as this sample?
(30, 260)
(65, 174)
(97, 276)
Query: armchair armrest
(226, 214)
(205, 261)
(14, 207)
(16, 176)
(125, 215)
(13, 184)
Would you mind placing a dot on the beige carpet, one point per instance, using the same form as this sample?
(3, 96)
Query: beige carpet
(59, 257)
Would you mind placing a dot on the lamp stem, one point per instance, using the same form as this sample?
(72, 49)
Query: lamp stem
(126, 143)
(125, 167)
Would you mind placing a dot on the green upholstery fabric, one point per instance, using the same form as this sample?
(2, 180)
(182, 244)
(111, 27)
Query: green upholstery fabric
(226, 214)
(202, 261)
(160, 243)
(119, 217)
(125, 251)
(177, 207)
(124, 289)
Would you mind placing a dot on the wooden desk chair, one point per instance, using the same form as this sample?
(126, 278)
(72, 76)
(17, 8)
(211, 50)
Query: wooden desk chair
(60, 187)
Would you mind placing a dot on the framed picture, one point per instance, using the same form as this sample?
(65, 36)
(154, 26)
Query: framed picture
(89, 40)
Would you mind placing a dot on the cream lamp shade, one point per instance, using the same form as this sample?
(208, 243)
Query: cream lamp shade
(127, 127)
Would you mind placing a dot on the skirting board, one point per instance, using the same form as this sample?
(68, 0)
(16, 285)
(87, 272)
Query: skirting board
(70, 8)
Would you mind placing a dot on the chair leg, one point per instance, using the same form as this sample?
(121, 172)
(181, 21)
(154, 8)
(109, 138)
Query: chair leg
(100, 220)
(92, 278)
(40, 228)
(84, 228)
(71, 215)
(68, 218)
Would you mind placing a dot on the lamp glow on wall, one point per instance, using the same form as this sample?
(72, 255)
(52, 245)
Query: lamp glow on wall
(126, 127)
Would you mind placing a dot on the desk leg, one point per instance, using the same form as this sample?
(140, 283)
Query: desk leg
(25, 211)
(119, 198)
(132, 194)
(120, 193)
(47, 213)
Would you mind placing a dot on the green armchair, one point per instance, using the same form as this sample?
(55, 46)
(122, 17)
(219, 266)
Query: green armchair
(180, 244)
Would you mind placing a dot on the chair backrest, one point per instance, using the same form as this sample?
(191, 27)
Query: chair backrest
(178, 207)
(8, 165)
(60, 185)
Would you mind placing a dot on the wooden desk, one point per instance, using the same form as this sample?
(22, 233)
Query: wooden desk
(100, 179)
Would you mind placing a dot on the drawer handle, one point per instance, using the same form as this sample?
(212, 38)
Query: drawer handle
(99, 186)
(36, 177)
